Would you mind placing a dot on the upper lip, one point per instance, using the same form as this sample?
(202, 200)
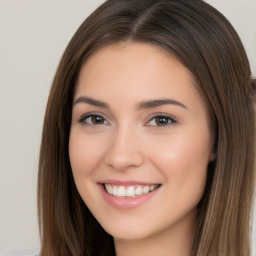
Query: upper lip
(126, 182)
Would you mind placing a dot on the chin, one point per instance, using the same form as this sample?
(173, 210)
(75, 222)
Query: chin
(127, 230)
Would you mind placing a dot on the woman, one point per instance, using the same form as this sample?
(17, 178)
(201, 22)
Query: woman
(148, 138)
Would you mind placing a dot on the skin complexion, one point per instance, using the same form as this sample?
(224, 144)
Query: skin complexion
(140, 144)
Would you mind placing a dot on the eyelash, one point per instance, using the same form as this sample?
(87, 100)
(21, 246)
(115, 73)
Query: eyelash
(170, 120)
(90, 116)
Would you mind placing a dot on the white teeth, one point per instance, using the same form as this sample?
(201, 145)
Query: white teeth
(121, 191)
(145, 190)
(151, 188)
(115, 191)
(138, 191)
(107, 186)
(131, 191)
(109, 189)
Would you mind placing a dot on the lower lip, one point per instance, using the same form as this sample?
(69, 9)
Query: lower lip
(127, 202)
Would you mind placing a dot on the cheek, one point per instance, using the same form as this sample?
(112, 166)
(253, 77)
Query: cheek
(183, 160)
(84, 154)
(182, 153)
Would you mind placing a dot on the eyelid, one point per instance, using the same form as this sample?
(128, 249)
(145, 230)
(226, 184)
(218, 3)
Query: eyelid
(155, 115)
(90, 114)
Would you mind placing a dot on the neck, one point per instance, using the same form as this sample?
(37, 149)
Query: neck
(176, 240)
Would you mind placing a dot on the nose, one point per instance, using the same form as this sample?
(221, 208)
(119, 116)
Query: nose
(125, 150)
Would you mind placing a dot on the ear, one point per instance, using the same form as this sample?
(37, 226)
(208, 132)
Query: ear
(212, 156)
(213, 153)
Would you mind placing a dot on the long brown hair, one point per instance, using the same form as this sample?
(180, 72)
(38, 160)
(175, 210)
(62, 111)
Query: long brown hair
(205, 42)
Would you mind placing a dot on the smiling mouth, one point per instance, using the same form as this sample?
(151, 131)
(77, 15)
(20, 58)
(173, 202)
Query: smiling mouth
(129, 191)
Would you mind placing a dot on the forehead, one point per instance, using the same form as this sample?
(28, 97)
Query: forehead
(128, 63)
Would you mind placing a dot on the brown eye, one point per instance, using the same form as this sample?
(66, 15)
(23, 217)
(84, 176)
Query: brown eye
(97, 120)
(161, 121)
(93, 120)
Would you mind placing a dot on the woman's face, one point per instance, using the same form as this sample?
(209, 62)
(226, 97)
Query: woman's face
(140, 141)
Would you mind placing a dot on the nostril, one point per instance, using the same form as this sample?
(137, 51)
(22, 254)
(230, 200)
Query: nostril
(122, 160)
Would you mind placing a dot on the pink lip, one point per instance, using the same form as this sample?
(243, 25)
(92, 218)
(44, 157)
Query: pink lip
(126, 203)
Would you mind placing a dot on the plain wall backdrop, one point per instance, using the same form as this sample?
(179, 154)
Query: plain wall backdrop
(33, 36)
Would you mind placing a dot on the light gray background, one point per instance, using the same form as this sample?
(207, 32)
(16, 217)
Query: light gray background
(33, 36)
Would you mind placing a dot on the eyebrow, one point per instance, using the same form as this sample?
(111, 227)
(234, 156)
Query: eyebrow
(141, 105)
(160, 102)
(91, 101)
